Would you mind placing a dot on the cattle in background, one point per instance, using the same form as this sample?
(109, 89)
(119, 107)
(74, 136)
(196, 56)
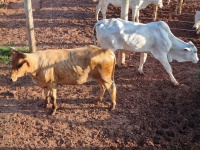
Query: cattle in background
(135, 5)
(16, 4)
(154, 37)
(179, 5)
(50, 68)
(197, 22)
(3, 2)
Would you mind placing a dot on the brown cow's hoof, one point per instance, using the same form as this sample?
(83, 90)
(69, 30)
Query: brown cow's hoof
(48, 106)
(112, 108)
(53, 113)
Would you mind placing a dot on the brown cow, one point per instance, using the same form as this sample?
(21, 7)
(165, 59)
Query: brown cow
(50, 68)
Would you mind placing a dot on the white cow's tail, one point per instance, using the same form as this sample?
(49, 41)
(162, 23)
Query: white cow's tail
(95, 32)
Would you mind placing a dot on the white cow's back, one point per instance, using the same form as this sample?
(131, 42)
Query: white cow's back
(118, 34)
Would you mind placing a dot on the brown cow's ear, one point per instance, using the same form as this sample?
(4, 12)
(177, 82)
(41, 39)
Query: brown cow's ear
(22, 55)
(12, 53)
(16, 52)
(27, 63)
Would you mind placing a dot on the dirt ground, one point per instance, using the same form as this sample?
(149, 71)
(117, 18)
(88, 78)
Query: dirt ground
(151, 112)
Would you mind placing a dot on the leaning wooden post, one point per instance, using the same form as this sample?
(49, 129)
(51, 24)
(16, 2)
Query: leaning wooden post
(30, 25)
(124, 15)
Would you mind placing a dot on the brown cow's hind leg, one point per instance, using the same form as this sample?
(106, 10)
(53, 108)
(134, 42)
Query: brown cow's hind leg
(111, 87)
(102, 91)
(47, 96)
(54, 107)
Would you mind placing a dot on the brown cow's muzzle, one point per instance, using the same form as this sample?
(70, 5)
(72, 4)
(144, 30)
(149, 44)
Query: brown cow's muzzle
(13, 79)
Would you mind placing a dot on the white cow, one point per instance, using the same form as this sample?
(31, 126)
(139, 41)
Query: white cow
(197, 22)
(154, 37)
(135, 5)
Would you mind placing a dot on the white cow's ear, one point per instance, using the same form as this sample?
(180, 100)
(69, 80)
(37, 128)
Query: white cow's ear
(190, 42)
(187, 49)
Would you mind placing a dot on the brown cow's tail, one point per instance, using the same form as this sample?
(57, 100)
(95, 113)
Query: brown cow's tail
(113, 71)
(95, 34)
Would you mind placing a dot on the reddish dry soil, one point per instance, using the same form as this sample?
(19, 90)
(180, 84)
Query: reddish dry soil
(151, 112)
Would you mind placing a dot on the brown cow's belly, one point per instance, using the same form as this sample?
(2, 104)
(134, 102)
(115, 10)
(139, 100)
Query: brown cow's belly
(75, 81)
(40, 83)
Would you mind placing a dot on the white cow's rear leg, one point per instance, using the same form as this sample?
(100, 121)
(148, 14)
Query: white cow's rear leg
(137, 16)
(134, 13)
(143, 58)
(166, 65)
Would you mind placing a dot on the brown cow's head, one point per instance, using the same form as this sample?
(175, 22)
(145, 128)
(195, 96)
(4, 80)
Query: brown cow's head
(19, 65)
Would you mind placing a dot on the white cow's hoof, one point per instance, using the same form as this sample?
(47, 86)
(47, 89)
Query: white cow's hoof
(141, 72)
(176, 83)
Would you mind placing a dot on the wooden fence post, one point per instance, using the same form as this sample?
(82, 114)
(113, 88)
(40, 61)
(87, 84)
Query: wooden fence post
(124, 15)
(30, 25)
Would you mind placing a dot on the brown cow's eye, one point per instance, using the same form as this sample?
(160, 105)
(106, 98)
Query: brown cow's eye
(19, 65)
